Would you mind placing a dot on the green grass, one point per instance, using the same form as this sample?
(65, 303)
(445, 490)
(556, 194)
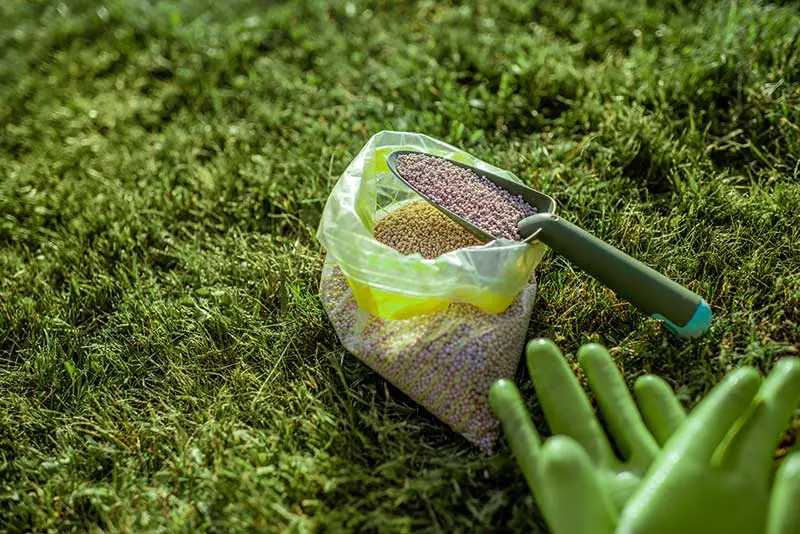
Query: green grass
(165, 363)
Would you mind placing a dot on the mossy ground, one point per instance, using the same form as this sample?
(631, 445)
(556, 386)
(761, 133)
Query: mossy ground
(165, 363)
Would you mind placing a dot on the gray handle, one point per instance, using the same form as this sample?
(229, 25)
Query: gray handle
(683, 312)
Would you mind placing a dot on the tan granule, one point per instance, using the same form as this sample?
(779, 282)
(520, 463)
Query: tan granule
(419, 228)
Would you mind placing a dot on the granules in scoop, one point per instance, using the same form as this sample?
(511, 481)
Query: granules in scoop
(466, 194)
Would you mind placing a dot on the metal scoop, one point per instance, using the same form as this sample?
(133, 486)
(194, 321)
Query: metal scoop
(683, 312)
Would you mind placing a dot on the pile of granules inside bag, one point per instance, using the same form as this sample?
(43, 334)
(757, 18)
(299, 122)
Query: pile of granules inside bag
(444, 361)
(419, 228)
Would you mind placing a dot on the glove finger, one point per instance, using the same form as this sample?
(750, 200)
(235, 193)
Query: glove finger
(713, 418)
(661, 410)
(622, 418)
(576, 502)
(692, 444)
(566, 406)
(518, 428)
(784, 504)
(753, 446)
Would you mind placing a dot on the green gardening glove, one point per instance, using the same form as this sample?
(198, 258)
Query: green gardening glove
(567, 491)
(715, 475)
(712, 476)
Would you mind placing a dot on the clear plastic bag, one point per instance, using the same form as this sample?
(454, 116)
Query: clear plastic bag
(391, 285)
(441, 330)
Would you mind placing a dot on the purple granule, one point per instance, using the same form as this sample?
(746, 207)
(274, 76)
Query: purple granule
(466, 194)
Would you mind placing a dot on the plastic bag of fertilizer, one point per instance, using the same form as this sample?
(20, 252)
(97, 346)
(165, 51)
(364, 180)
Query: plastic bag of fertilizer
(434, 311)
(393, 285)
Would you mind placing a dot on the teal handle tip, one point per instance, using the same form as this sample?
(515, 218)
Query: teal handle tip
(696, 326)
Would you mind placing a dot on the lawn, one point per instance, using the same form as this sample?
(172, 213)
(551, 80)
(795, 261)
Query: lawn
(165, 362)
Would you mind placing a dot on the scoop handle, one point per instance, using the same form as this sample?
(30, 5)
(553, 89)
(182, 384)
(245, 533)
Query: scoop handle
(683, 312)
